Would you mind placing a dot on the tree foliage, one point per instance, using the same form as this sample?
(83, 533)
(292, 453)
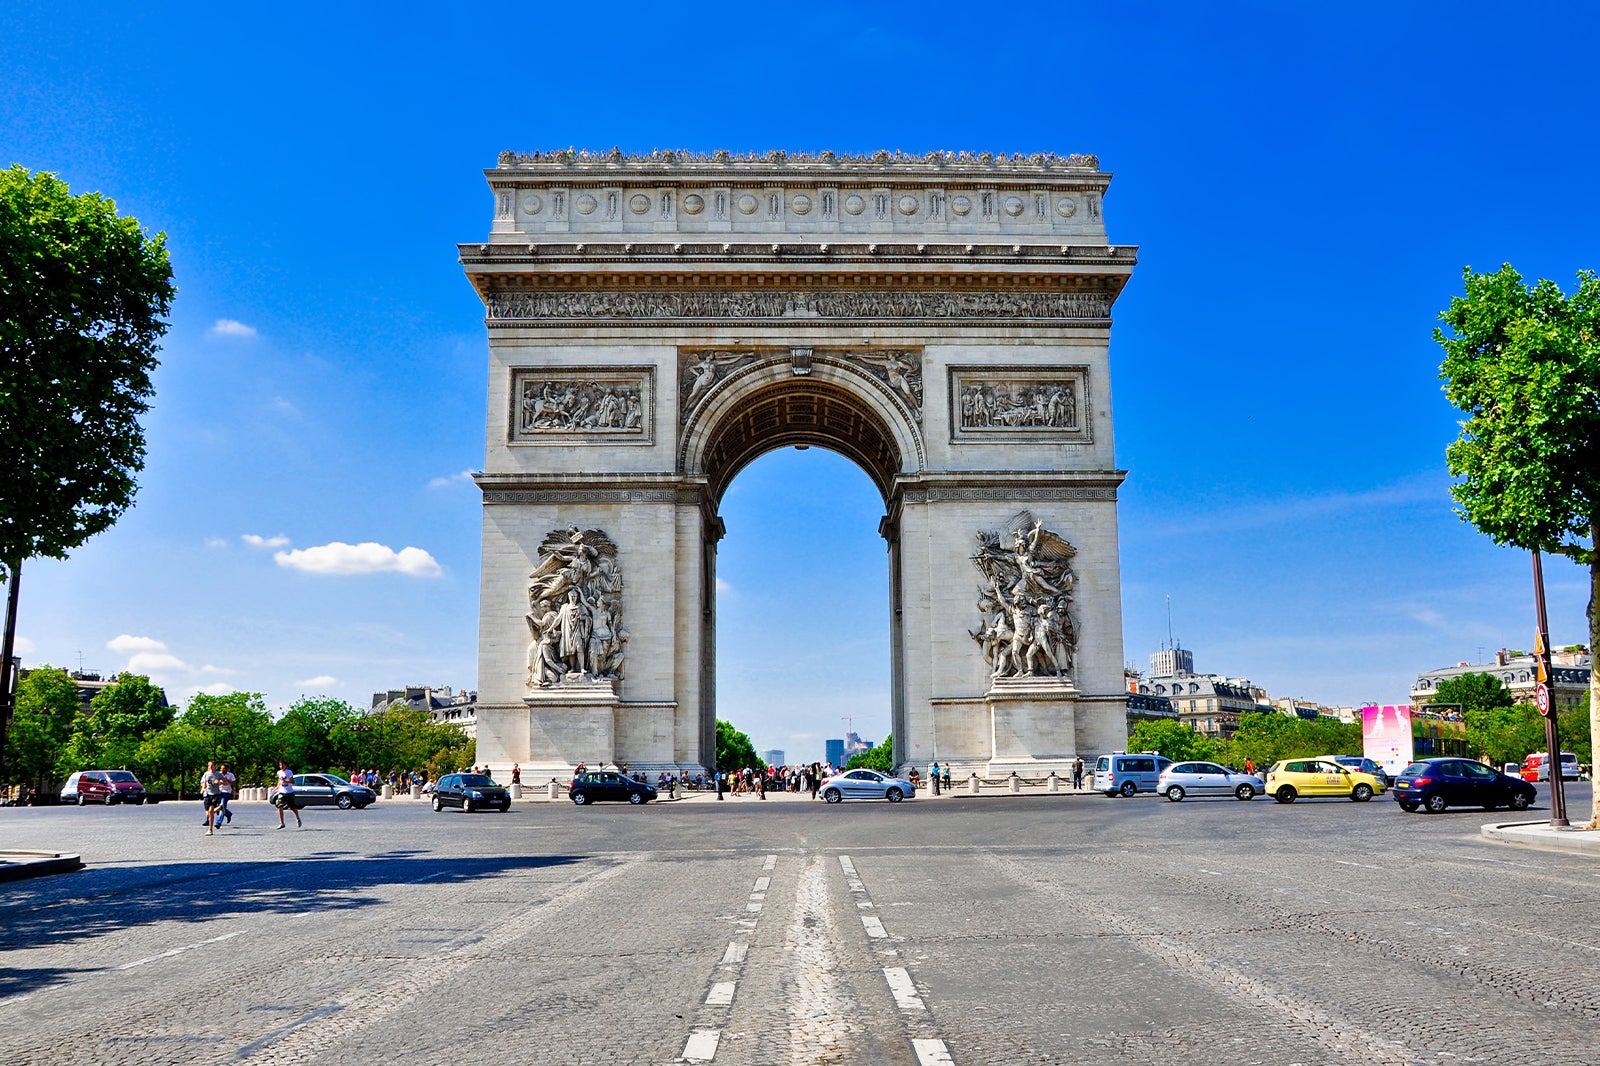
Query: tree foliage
(734, 750)
(83, 295)
(47, 706)
(1473, 692)
(1503, 732)
(879, 758)
(1523, 363)
(1266, 736)
(1175, 740)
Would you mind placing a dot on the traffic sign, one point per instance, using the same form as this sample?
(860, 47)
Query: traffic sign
(1541, 696)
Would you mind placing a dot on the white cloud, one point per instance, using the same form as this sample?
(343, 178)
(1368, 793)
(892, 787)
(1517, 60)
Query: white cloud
(723, 586)
(25, 646)
(156, 662)
(216, 542)
(286, 406)
(127, 644)
(228, 327)
(368, 557)
(216, 688)
(441, 482)
(257, 541)
(320, 681)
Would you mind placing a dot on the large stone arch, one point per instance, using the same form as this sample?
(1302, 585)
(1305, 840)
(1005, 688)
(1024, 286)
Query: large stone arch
(657, 323)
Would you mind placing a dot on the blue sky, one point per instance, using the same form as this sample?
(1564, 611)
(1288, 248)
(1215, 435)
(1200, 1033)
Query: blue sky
(1306, 182)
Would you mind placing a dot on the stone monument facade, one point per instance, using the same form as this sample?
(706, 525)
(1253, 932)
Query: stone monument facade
(658, 322)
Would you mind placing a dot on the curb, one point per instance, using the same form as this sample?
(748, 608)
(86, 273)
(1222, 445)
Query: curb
(1545, 837)
(16, 865)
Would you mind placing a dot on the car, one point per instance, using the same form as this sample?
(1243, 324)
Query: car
(1122, 774)
(330, 790)
(1365, 765)
(470, 792)
(862, 783)
(1289, 779)
(1184, 779)
(1537, 767)
(102, 786)
(592, 786)
(1434, 784)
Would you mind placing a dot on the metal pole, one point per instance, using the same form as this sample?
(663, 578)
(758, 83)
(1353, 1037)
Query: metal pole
(1558, 795)
(8, 662)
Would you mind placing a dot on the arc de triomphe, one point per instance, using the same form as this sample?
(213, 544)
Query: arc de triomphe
(658, 322)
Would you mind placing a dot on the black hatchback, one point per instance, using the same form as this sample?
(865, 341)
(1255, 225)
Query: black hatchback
(470, 792)
(1434, 784)
(593, 785)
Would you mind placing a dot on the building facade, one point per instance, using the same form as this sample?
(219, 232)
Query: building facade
(1569, 677)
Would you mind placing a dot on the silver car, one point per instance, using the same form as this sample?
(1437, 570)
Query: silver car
(866, 784)
(1207, 779)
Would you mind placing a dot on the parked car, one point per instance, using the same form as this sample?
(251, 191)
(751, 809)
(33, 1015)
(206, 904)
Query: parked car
(1121, 774)
(1207, 779)
(330, 790)
(1434, 784)
(103, 786)
(470, 792)
(592, 786)
(1537, 767)
(1366, 766)
(1289, 779)
(866, 784)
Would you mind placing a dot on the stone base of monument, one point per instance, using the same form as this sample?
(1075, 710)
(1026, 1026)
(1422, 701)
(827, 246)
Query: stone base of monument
(567, 724)
(1034, 722)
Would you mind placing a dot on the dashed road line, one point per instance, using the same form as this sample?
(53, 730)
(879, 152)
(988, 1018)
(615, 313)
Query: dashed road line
(178, 951)
(932, 1053)
(905, 993)
(874, 927)
(701, 1045)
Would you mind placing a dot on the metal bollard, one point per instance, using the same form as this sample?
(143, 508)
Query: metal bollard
(554, 788)
(1055, 782)
(416, 790)
(1016, 782)
(388, 791)
(972, 785)
(516, 790)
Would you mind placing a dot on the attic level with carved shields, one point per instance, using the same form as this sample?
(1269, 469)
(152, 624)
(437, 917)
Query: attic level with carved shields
(656, 323)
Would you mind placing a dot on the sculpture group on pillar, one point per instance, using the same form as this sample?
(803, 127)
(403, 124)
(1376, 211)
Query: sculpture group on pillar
(1026, 601)
(575, 610)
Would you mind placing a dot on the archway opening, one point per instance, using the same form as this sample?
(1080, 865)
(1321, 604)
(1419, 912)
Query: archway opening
(803, 628)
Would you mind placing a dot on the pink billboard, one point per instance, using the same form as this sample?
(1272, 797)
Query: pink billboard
(1386, 736)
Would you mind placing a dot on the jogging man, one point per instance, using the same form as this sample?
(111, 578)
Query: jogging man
(228, 781)
(211, 795)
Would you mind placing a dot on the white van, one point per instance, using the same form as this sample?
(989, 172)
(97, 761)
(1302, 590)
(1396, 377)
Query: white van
(1121, 774)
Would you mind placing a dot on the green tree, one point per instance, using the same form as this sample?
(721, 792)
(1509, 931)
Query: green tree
(1503, 733)
(172, 758)
(304, 736)
(1265, 737)
(47, 705)
(1174, 740)
(1523, 362)
(734, 750)
(118, 719)
(236, 729)
(83, 295)
(879, 758)
(1577, 734)
(1473, 692)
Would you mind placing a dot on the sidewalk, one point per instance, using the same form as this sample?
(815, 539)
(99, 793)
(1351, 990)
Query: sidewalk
(1542, 835)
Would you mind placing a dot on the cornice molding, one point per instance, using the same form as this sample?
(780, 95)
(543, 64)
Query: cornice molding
(583, 161)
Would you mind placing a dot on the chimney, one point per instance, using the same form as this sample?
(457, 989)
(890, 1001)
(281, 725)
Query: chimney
(1500, 657)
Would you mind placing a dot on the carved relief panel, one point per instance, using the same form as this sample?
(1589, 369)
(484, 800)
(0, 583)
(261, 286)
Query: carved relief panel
(1020, 403)
(701, 369)
(582, 405)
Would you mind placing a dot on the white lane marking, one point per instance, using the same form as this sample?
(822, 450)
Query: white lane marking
(1213, 873)
(721, 994)
(771, 861)
(874, 926)
(848, 866)
(702, 1045)
(178, 951)
(905, 993)
(932, 1053)
(735, 953)
(430, 877)
(753, 908)
(1364, 866)
(763, 883)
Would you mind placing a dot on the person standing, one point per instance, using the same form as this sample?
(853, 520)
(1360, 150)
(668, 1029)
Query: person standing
(228, 781)
(933, 775)
(1077, 772)
(947, 775)
(285, 797)
(211, 796)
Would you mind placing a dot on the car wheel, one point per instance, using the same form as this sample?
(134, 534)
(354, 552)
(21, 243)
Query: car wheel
(468, 806)
(1361, 793)
(1286, 794)
(83, 801)
(140, 801)
(1245, 792)
(1175, 794)
(636, 798)
(1521, 802)
(580, 798)
(1409, 807)
(1128, 789)
(344, 802)
(1435, 803)
(833, 795)
(437, 806)
(894, 795)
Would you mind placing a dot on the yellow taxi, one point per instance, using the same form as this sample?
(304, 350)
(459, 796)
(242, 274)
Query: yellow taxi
(1289, 779)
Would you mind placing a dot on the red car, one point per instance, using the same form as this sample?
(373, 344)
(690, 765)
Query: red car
(102, 786)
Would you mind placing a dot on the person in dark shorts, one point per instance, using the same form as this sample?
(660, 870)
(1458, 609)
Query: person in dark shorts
(211, 796)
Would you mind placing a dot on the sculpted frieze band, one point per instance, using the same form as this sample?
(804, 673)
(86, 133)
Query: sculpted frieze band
(1018, 403)
(701, 369)
(577, 305)
(577, 405)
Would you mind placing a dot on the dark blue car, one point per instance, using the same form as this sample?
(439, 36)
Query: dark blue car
(1434, 784)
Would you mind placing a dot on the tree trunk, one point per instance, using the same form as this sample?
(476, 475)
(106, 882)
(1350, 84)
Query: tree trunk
(1594, 664)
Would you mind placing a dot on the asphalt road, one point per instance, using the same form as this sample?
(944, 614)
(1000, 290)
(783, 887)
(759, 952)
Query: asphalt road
(1033, 929)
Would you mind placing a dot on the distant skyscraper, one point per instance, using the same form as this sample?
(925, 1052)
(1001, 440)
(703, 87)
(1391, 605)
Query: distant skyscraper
(834, 751)
(774, 757)
(1171, 662)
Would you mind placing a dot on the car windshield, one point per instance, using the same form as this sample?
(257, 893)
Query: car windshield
(123, 777)
(1414, 769)
(476, 780)
(333, 779)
